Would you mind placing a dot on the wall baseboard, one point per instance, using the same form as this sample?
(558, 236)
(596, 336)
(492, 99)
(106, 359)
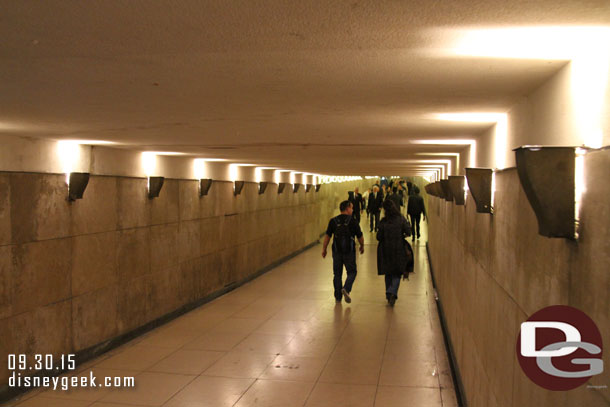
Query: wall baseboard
(455, 371)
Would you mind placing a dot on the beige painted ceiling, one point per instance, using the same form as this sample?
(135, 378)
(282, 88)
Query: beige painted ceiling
(332, 87)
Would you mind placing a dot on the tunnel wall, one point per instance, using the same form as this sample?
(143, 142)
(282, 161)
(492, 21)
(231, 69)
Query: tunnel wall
(74, 275)
(493, 271)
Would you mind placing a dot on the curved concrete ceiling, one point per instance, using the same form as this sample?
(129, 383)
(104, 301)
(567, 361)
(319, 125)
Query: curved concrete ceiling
(335, 87)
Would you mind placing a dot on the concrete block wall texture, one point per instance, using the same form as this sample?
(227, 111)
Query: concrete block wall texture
(74, 275)
(494, 271)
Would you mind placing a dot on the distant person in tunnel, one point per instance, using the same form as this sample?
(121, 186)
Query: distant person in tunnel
(357, 203)
(344, 227)
(415, 208)
(374, 205)
(394, 254)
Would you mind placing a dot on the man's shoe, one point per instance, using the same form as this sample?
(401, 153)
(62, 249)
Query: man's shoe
(346, 296)
(392, 300)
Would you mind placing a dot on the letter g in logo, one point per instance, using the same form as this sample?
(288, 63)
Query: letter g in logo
(554, 345)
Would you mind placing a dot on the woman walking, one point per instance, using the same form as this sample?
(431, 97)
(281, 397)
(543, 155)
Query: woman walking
(394, 254)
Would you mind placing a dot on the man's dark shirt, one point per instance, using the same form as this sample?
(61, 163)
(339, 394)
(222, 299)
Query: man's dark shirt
(354, 227)
(357, 202)
(416, 206)
(375, 202)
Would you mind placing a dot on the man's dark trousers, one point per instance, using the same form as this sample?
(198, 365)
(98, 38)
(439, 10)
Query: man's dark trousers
(375, 218)
(349, 260)
(415, 225)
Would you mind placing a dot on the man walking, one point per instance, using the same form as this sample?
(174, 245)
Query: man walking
(415, 208)
(374, 205)
(358, 204)
(344, 227)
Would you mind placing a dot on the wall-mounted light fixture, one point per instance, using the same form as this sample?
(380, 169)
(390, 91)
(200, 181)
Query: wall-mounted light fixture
(281, 186)
(237, 187)
(429, 188)
(547, 176)
(456, 184)
(432, 189)
(154, 186)
(262, 187)
(480, 186)
(446, 190)
(308, 187)
(204, 186)
(295, 188)
(318, 187)
(439, 190)
(77, 183)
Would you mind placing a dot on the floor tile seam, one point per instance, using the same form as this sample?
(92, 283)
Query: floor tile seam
(410, 387)
(166, 401)
(381, 364)
(245, 391)
(263, 379)
(325, 364)
(265, 368)
(247, 336)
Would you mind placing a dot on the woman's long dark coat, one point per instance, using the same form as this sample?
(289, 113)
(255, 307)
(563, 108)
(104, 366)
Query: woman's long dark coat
(394, 254)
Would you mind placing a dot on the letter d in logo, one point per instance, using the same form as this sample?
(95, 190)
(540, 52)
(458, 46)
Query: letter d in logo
(555, 343)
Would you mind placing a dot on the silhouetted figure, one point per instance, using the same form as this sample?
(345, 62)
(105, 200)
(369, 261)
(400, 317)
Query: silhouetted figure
(394, 254)
(358, 204)
(375, 202)
(415, 208)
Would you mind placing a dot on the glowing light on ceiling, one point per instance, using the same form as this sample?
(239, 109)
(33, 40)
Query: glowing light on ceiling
(456, 155)
(149, 163)
(233, 172)
(469, 117)
(166, 153)
(501, 130)
(91, 142)
(200, 168)
(586, 47)
(69, 153)
(550, 43)
(453, 142)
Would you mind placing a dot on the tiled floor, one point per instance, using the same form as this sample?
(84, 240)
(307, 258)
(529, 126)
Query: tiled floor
(281, 340)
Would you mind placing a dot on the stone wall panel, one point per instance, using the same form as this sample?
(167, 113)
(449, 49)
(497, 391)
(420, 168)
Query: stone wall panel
(6, 281)
(41, 274)
(188, 199)
(189, 240)
(98, 210)
(94, 316)
(133, 253)
(94, 262)
(165, 208)
(131, 303)
(5, 210)
(132, 203)
(163, 247)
